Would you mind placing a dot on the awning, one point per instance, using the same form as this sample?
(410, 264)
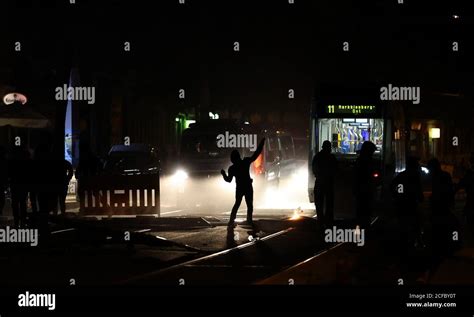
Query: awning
(22, 116)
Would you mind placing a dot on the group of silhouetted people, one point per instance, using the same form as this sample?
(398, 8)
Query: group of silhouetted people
(43, 179)
(407, 193)
(441, 223)
(324, 166)
(406, 190)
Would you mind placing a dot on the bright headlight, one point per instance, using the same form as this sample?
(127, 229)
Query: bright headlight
(180, 176)
(301, 175)
(425, 170)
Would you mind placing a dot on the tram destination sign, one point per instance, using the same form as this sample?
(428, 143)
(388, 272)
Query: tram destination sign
(363, 109)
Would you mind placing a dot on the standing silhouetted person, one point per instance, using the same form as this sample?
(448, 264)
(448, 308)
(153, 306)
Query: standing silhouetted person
(45, 180)
(408, 193)
(36, 176)
(240, 170)
(442, 197)
(65, 173)
(444, 223)
(324, 169)
(89, 166)
(3, 178)
(89, 163)
(467, 183)
(19, 174)
(364, 184)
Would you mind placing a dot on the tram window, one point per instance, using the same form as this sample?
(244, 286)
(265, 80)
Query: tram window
(348, 134)
(287, 148)
(272, 149)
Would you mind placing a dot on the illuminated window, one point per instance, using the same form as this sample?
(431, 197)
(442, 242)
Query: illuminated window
(435, 133)
(347, 135)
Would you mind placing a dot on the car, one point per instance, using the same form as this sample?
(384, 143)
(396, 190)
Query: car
(129, 183)
(197, 175)
(133, 159)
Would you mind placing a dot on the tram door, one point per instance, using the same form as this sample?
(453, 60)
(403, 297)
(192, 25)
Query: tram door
(347, 130)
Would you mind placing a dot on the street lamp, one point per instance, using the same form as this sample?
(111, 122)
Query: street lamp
(435, 133)
(13, 97)
(213, 116)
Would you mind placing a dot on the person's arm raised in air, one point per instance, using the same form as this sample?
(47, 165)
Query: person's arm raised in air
(258, 151)
(227, 178)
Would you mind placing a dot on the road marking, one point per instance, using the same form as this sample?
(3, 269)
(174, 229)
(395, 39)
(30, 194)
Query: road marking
(229, 212)
(142, 231)
(226, 266)
(184, 235)
(171, 212)
(65, 230)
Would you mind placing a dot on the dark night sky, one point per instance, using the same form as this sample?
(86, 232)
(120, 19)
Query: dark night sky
(282, 46)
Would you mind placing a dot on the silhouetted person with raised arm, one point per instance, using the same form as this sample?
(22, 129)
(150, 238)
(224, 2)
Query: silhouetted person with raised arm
(19, 170)
(467, 183)
(364, 184)
(3, 177)
(408, 193)
(324, 166)
(240, 170)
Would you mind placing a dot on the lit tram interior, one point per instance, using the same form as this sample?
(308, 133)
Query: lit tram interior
(348, 134)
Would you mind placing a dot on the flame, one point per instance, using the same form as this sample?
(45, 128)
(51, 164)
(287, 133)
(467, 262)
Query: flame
(296, 214)
(258, 165)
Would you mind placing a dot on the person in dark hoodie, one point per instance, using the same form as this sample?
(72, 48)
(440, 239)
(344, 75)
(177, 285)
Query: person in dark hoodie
(240, 170)
(19, 170)
(408, 193)
(89, 166)
(36, 179)
(45, 180)
(364, 184)
(324, 166)
(443, 221)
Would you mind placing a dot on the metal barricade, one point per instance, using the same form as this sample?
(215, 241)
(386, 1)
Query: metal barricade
(120, 195)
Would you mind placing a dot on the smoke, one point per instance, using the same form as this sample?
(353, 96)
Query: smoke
(197, 195)
(290, 193)
(203, 196)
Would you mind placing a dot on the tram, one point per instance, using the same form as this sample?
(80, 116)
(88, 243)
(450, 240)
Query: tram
(347, 116)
